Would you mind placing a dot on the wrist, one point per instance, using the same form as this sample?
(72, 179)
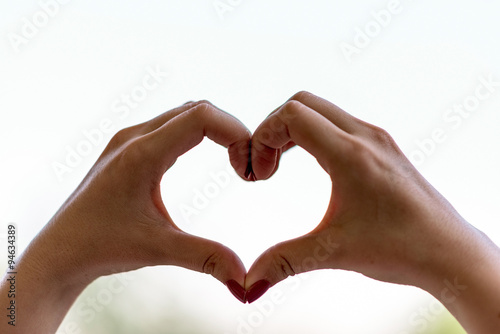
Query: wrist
(465, 280)
(52, 260)
(459, 256)
(42, 278)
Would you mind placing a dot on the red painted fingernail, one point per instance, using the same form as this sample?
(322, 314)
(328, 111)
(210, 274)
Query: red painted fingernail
(237, 290)
(257, 290)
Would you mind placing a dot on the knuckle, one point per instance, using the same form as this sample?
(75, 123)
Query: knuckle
(301, 95)
(361, 152)
(202, 111)
(204, 102)
(129, 159)
(282, 265)
(121, 137)
(210, 265)
(291, 109)
(380, 135)
(133, 153)
(199, 105)
(369, 160)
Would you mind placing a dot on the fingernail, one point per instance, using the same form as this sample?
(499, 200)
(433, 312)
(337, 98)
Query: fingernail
(257, 290)
(237, 290)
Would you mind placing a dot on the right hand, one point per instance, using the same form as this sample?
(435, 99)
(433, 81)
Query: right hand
(384, 219)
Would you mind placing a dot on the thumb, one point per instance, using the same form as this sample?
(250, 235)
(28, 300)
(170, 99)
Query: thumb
(310, 252)
(209, 257)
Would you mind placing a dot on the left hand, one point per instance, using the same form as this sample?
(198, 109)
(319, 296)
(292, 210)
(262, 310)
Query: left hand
(116, 220)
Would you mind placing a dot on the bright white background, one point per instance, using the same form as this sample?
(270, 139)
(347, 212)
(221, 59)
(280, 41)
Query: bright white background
(69, 76)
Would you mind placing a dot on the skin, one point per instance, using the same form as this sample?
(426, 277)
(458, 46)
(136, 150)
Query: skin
(115, 221)
(384, 219)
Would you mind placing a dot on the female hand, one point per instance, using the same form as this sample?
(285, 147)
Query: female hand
(384, 219)
(116, 221)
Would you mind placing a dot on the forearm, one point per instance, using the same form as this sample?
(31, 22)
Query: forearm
(40, 291)
(470, 285)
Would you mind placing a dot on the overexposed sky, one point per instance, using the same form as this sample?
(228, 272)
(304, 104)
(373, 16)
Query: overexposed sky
(71, 73)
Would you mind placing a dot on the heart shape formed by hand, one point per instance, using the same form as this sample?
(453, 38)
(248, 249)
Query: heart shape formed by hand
(263, 162)
(257, 158)
(369, 213)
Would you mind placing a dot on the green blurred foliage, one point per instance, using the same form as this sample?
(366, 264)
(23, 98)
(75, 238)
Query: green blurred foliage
(127, 313)
(445, 324)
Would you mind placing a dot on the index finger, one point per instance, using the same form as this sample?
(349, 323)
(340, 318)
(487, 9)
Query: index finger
(297, 123)
(336, 115)
(186, 130)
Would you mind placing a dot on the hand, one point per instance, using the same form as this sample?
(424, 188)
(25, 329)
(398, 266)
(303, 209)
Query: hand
(384, 219)
(120, 198)
(116, 221)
